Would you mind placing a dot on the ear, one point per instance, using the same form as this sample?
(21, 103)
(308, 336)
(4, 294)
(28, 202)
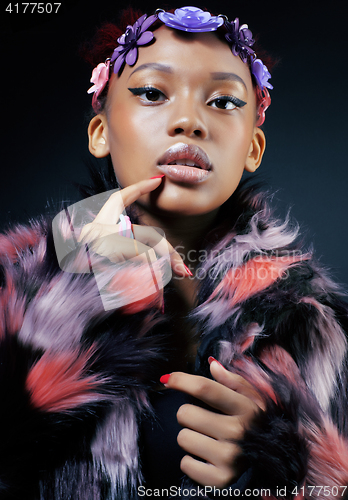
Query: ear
(98, 143)
(256, 150)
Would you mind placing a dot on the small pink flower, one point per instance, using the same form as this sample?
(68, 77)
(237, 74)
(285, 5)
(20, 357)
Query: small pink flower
(100, 77)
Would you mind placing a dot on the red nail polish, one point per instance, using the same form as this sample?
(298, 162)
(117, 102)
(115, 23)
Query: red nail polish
(211, 359)
(164, 379)
(157, 176)
(188, 270)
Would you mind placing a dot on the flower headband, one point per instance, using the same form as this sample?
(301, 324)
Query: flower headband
(193, 20)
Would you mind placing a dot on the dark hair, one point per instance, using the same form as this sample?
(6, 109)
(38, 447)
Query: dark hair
(104, 42)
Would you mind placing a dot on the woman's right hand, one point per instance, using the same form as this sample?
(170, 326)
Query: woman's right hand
(102, 235)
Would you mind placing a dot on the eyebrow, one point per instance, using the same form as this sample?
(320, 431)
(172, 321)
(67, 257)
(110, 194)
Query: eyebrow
(220, 75)
(156, 66)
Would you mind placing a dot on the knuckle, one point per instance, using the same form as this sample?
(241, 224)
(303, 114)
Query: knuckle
(202, 386)
(224, 477)
(234, 429)
(240, 427)
(228, 453)
(250, 415)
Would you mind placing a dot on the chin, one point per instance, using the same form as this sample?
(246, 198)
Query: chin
(183, 208)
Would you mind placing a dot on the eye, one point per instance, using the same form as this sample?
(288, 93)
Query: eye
(227, 102)
(148, 94)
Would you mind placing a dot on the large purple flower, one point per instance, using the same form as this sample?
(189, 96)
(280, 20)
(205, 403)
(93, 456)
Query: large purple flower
(130, 40)
(261, 74)
(191, 19)
(241, 39)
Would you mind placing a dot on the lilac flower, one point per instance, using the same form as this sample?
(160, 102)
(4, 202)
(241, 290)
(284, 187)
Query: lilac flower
(261, 74)
(130, 40)
(241, 39)
(191, 19)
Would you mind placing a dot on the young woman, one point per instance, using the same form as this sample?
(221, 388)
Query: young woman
(179, 104)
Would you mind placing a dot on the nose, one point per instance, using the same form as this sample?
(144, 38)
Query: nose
(186, 120)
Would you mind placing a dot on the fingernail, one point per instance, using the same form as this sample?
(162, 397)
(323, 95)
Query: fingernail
(157, 176)
(164, 379)
(188, 270)
(211, 359)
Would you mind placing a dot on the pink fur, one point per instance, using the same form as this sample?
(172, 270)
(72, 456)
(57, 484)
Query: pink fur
(18, 240)
(328, 463)
(59, 383)
(12, 307)
(313, 302)
(252, 331)
(279, 361)
(230, 351)
(140, 285)
(254, 276)
(324, 363)
(254, 374)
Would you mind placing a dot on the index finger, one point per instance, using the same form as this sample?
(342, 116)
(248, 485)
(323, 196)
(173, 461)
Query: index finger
(112, 209)
(212, 393)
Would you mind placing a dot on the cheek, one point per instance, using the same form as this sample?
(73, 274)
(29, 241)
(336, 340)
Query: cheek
(132, 136)
(133, 130)
(122, 139)
(235, 143)
(121, 128)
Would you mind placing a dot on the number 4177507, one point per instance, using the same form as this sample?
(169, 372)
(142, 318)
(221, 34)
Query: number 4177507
(31, 8)
(320, 491)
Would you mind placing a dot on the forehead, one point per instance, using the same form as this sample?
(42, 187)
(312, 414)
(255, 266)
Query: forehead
(190, 53)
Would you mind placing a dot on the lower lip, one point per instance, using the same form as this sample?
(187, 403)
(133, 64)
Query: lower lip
(184, 173)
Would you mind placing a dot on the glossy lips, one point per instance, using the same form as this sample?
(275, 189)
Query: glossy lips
(185, 163)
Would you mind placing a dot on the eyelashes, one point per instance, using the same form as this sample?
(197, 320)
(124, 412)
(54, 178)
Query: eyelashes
(150, 95)
(227, 102)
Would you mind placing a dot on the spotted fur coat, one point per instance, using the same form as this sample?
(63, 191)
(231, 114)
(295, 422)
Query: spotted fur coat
(75, 378)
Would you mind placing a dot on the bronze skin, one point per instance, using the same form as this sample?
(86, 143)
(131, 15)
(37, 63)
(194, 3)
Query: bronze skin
(186, 109)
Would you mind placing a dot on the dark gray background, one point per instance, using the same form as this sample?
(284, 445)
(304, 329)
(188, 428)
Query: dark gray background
(44, 106)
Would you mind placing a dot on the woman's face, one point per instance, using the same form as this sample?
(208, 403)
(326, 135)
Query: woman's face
(187, 101)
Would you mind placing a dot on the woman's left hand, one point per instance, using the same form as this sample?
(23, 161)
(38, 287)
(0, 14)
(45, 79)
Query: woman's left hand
(211, 436)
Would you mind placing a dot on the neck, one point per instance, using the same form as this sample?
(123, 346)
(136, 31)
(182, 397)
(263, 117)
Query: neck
(185, 234)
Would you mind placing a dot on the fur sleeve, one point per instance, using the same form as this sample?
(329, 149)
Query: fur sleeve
(298, 360)
(271, 314)
(72, 376)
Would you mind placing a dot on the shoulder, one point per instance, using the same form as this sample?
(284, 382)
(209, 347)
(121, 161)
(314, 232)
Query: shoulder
(262, 288)
(257, 255)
